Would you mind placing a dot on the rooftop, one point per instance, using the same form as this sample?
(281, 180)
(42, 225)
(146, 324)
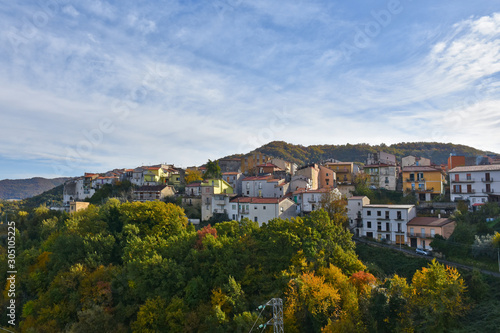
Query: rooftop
(493, 167)
(257, 200)
(429, 221)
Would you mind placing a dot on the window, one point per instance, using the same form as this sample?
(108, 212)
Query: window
(399, 215)
(379, 213)
(412, 176)
(422, 231)
(388, 237)
(433, 232)
(234, 217)
(387, 215)
(369, 213)
(368, 224)
(399, 227)
(264, 207)
(254, 207)
(420, 186)
(327, 174)
(234, 207)
(387, 227)
(457, 177)
(469, 176)
(412, 232)
(487, 176)
(255, 219)
(248, 192)
(379, 226)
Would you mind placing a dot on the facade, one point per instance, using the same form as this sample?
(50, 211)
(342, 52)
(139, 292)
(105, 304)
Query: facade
(300, 181)
(77, 190)
(344, 172)
(250, 162)
(476, 184)
(415, 161)
(308, 200)
(215, 194)
(75, 206)
(381, 158)
(100, 181)
(193, 189)
(326, 177)
(421, 230)
(427, 182)
(153, 192)
(289, 167)
(312, 172)
(355, 210)
(261, 210)
(268, 168)
(264, 186)
(230, 164)
(388, 222)
(382, 176)
(234, 179)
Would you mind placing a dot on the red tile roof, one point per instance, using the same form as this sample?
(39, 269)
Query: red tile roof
(429, 221)
(253, 178)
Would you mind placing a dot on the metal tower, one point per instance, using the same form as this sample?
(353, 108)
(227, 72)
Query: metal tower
(276, 320)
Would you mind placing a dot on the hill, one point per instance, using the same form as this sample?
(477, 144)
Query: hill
(437, 152)
(27, 188)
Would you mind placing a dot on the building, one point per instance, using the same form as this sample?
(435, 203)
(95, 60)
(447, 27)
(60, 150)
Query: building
(381, 158)
(476, 184)
(268, 168)
(75, 206)
(421, 230)
(261, 210)
(310, 171)
(308, 200)
(386, 222)
(215, 194)
(415, 161)
(344, 172)
(382, 176)
(426, 181)
(289, 167)
(264, 186)
(235, 180)
(250, 162)
(153, 192)
(100, 181)
(230, 164)
(193, 189)
(326, 177)
(355, 211)
(77, 189)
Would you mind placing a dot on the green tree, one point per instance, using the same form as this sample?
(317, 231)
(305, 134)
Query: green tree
(213, 170)
(333, 203)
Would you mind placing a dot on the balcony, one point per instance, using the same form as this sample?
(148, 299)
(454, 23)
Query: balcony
(463, 181)
(245, 212)
(411, 180)
(461, 192)
(401, 232)
(490, 191)
(312, 200)
(486, 180)
(420, 235)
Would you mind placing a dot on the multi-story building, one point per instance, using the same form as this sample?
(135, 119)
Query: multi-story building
(308, 200)
(382, 176)
(289, 167)
(215, 194)
(388, 222)
(426, 181)
(250, 162)
(235, 180)
(310, 171)
(421, 230)
(153, 192)
(344, 172)
(381, 158)
(355, 212)
(326, 177)
(476, 184)
(261, 210)
(264, 186)
(415, 161)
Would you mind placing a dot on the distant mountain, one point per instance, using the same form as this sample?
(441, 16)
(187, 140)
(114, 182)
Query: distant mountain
(437, 152)
(27, 188)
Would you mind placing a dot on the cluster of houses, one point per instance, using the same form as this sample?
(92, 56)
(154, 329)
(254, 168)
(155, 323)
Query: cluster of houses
(260, 188)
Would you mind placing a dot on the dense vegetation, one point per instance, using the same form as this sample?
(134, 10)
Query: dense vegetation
(437, 152)
(141, 267)
(26, 188)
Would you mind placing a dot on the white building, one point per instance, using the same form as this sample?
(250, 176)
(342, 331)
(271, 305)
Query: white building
(355, 210)
(264, 186)
(386, 222)
(261, 210)
(235, 180)
(477, 184)
(415, 161)
(308, 200)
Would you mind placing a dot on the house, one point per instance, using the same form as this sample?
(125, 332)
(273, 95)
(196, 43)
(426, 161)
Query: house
(230, 164)
(476, 184)
(100, 181)
(326, 177)
(250, 162)
(152, 192)
(386, 222)
(308, 200)
(300, 181)
(78, 189)
(310, 171)
(344, 172)
(215, 194)
(355, 206)
(266, 168)
(235, 180)
(381, 158)
(261, 210)
(193, 189)
(382, 176)
(264, 186)
(421, 230)
(289, 167)
(426, 181)
(76, 206)
(415, 161)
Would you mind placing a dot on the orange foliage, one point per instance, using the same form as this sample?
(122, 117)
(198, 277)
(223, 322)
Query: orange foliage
(202, 233)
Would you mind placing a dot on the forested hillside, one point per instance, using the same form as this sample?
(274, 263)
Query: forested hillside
(26, 188)
(140, 267)
(437, 152)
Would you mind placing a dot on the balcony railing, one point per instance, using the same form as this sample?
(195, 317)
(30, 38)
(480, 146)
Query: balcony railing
(420, 235)
(491, 190)
(463, 180)
(463, 192)
(410, 180)
(245, 212)
(486, 180)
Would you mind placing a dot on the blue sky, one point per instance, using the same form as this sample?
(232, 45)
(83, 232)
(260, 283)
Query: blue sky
(95, 85)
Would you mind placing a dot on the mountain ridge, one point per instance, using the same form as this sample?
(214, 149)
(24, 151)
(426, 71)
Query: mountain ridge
(27, 188)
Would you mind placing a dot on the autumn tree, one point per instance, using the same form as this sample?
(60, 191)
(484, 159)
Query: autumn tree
(333, 203)
(193, 176)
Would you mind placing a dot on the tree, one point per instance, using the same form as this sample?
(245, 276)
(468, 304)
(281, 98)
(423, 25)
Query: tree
(333, 203)
(213, 170)
(193, 176)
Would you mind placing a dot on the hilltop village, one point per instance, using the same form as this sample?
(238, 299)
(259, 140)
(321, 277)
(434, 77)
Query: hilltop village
(260, 188)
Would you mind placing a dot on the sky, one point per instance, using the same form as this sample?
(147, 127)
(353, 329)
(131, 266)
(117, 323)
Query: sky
(94, 85)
